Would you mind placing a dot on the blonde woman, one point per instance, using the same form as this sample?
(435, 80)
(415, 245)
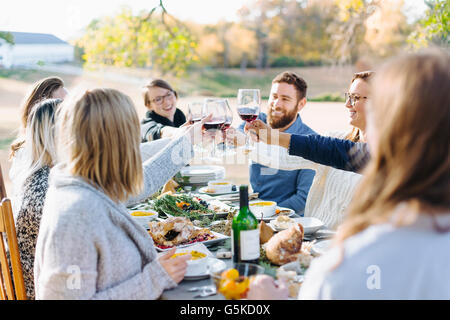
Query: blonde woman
(89, 247)
(46, 88)
(332, 189)
(40, 150)
(394, 242)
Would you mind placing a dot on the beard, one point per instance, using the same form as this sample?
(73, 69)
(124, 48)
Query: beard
(283, 121)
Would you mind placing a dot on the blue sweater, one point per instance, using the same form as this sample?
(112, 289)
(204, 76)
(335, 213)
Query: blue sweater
(289, 188)
(338, 153)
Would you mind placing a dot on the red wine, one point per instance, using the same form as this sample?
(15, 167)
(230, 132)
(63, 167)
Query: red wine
(213, 125)
(248, 117)
(248, 114)
(226, 126)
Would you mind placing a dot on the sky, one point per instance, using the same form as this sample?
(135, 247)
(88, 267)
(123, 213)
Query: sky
(66, 18)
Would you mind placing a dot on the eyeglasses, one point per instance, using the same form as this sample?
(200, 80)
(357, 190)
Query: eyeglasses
(159, 100)
(353, 98)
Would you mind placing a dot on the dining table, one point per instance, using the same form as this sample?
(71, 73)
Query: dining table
(204, 289)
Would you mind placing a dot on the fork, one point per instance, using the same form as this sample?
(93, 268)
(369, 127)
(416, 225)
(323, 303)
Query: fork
(206, 292)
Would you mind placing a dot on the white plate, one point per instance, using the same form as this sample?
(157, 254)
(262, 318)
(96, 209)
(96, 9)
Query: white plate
(310, 224)
(219, 237)
(203, 191)
(320, 247)
(195, 171)
(290, 213)
(204, 275)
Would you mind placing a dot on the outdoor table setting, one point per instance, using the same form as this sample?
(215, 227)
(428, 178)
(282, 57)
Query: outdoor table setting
(196, 219)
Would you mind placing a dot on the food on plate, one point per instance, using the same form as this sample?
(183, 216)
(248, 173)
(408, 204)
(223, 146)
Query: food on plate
(265, 232)
(283, 222)
(286, 245)
(195, 255)
(142, 213)
(170, 186)
(175, 231)
(181, 205)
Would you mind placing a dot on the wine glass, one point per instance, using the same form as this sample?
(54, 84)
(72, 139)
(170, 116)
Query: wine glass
(195, 110)
(225, 127)
(216, 107)
(248, 103)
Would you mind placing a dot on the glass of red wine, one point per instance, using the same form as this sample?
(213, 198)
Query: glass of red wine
(248, 105)
(228, 121)
(218, 108)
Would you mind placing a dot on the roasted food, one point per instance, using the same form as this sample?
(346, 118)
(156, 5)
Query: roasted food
(175, 231)
(286, 245)
(265, 232)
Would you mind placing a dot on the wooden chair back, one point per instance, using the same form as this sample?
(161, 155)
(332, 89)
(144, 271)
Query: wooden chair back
(2, 185)
(12, 286)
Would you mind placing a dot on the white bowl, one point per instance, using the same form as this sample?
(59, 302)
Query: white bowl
(310, 224)
(262, 208)
(219, 186)
(145, 218)
(195, 266)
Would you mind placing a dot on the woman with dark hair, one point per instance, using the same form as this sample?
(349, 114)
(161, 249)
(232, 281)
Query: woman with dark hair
(162, 117)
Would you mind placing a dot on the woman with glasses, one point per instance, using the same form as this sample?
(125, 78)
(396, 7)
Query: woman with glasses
(162, 117)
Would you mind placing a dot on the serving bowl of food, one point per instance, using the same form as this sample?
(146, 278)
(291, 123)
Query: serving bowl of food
(143, 217)
(219, 186)
(198, 262)
(262, 208)
(233, 283)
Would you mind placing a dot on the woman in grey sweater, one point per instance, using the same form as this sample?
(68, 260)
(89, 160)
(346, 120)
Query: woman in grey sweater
(89, 247)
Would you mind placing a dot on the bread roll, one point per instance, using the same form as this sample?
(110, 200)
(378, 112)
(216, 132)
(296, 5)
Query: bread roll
(285, 246)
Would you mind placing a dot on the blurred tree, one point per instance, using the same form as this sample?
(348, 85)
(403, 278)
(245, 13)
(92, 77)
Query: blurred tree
(7, 36)
(434, 28)
(348, 29)
(386, 29)
(142, 40)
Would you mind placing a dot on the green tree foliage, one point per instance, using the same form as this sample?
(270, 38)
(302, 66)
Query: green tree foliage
(434, 28)
(148, 40)
(8, 37)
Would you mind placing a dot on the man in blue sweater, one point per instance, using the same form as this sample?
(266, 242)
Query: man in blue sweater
(288, 188)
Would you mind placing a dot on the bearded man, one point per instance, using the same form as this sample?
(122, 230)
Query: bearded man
(288, 188)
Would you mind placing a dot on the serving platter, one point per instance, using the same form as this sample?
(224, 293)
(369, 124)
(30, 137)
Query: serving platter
(208, 243)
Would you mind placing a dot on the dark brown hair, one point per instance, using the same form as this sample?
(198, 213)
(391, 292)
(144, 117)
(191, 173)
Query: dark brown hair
(156, 83)
(41, 90)
(355, 134)
(292, 78)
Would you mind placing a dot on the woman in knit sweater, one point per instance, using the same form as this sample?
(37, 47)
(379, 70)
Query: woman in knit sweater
(332, 189)
(89, 247)
(39, 152)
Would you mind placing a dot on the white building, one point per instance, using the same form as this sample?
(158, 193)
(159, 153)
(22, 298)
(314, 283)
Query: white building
(32, 48)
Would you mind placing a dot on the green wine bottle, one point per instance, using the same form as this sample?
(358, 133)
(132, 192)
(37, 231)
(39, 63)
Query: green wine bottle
(245, 232)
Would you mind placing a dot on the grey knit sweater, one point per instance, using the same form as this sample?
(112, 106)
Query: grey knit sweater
(89, 247)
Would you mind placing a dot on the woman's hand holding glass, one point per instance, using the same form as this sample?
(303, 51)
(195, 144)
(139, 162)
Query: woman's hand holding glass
(264, 287)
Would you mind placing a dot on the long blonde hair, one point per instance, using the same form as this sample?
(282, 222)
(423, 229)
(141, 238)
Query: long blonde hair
(410, 107)
(98, 140)
(39, 91)
(40, 133)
